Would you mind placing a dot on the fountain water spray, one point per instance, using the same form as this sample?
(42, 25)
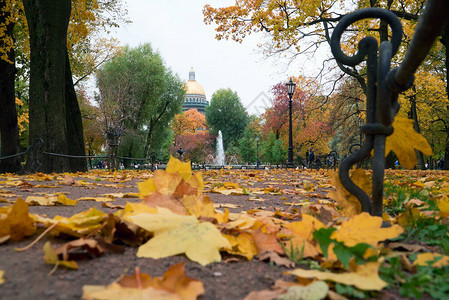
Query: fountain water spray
(220, 155)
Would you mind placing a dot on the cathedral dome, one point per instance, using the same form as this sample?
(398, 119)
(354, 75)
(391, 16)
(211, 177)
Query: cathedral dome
(194, 88)
(195, 94)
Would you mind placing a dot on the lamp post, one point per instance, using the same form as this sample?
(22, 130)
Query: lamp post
(257, 143)
(290, 91)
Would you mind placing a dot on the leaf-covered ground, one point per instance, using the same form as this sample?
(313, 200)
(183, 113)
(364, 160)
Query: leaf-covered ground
(220, 234)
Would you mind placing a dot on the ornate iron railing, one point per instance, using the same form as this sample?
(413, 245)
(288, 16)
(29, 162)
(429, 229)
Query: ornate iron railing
(383, 86)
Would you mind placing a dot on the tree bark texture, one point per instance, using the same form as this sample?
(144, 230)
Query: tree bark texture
(9, 130)
(75, 137)
(51, 107)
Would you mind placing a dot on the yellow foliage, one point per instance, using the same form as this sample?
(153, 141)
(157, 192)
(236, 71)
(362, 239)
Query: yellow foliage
(177, 189)
(175, 234)
(242, 244)
(15, 221)
(400, 143)
(302, 235)
(364, 228)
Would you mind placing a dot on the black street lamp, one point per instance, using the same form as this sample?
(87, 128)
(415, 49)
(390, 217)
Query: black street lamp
(257, 162)
(290, 91)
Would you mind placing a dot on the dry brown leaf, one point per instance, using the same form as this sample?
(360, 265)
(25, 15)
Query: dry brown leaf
(274, 257)
(266, 241)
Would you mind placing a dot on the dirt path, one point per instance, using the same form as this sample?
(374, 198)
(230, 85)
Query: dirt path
(26, 274)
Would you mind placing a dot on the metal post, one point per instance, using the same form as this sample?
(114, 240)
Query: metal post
(290, 91)
(383, 86)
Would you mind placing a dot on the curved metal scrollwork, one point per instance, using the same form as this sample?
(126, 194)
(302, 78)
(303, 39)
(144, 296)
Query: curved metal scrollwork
(380, 110)
(383, 86)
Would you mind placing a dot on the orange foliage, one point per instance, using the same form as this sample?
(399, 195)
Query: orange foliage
(189, 122)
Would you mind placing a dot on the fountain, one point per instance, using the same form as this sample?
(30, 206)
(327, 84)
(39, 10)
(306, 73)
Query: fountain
(220, 155)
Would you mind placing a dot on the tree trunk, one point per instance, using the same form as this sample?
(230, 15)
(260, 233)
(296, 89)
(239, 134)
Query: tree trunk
(75, 138)
(9, 130)
(48, 21)
(414, 115)
(445, 42)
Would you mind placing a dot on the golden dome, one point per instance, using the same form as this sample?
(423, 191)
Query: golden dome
(192, 86)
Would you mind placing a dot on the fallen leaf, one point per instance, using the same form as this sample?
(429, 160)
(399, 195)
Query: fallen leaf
(399, 143)
(315, 291)
(242, 244)
(15, 221)
(174, 285)
(51, 257)
(50, 201)
(364, 228)
(266, 241)
(302, 239)
(263, 295)
(78, 225)
(275, 258)
(175, 234)
(90, 245)
(413, 248)
(2, 280)
(96, 199)
(439, 260)
(177, 282)
(365, 279)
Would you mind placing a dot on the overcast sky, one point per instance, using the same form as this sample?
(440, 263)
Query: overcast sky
(176, 29)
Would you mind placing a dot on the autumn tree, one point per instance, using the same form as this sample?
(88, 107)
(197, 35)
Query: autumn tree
(196, 147)
(310, 116)
(226, 113)
(86, 18)
(93, 138)
(139, 95)
(347, 108)
(188, 122)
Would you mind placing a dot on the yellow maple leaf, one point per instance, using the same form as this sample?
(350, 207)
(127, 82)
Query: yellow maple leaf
(16, 222)
(2, 280)
(404, 141)
(242, 244)
(423, 259)
(182, 168)
(348, 202)
(365, 276)
(302, 235)
(364, 228)
(175, 234)
(177, 189)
